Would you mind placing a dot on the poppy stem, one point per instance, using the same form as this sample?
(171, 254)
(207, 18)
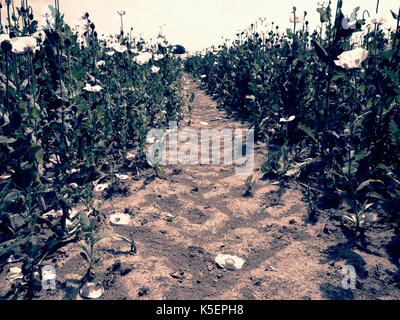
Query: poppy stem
(352, 119)
(321, 32)
(1, 19)
(7, 85)
(57, 7)
(33, 83)
(294, 20)
(14, 16)
(8, 3)
(397, 31)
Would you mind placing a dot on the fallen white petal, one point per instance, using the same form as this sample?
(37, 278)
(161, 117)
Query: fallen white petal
(91, 291)
(130, 156)
(48, 274)
(15, 273)
(122, 176)
(151, 140)
(120, 219)
(229, 262)
(101, 187)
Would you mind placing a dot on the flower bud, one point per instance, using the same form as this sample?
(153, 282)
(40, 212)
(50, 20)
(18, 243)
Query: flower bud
(6, 46)
(67, 42)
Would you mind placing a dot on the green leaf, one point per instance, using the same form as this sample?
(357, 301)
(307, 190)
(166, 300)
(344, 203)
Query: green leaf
(338, 75)
(84, 220)
(375, 195)
(6, 140)
(354, 14)
(308, 131)
(395, 135)
(324, 15)
(361, 155)
(368, 183)
(10, 198)
(17, 221)
(85, 257)
(37, 153)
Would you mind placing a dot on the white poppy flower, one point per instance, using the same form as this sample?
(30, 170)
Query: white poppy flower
(91, 290)
(155, 69)
(90, 88)
(48, 274)
(110, 53)
(158, 57)
(4, 37)
(151, 140)
(252, 98)
(120, 219)
(143, 58)
(24, 44)
(378, 20)
(119, 48)
(101, 187)
(14, 274)
(229, 262)
(290, 119)
(100, 63)
(122, 176)
(352, 59)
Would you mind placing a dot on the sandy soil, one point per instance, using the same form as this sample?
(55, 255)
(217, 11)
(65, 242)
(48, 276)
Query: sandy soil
(286, 256)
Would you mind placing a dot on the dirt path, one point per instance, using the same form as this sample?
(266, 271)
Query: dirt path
(286, 257)
(176, 260)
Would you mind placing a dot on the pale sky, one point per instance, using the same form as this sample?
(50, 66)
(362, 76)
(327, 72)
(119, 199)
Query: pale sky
(196, 24)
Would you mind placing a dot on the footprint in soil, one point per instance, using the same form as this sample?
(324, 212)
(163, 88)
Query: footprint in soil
(197, 216)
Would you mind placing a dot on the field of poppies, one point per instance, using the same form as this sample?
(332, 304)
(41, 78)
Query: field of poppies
(75, 110)
(326, 101)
